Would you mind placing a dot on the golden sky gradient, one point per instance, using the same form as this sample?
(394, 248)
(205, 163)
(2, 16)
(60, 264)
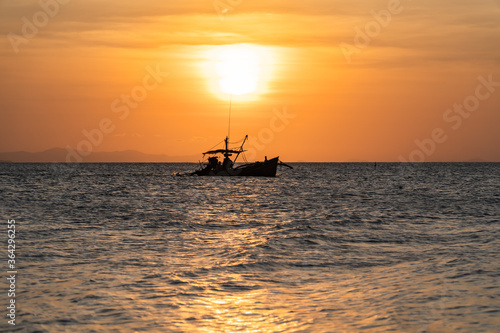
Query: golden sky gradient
(357, 80)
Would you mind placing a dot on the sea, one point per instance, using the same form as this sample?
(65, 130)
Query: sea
(323, 247)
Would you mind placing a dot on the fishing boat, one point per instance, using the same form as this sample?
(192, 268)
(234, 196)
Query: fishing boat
(214, 167)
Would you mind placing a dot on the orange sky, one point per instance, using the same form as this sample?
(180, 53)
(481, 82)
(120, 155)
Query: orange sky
(358, 80)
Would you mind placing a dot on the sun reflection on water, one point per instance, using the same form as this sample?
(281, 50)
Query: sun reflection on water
(254, 311)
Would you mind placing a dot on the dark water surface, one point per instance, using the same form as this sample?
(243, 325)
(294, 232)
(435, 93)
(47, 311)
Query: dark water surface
(321, 248)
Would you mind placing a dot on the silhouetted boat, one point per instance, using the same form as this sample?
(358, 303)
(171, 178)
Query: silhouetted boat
(214, 167)
(227, 167)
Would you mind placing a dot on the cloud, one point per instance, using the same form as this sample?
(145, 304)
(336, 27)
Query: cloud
(154, 24)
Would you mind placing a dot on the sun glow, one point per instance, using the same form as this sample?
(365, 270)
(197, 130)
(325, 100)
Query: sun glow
(239, 69)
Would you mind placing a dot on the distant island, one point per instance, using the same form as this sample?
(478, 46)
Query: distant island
(62, 155)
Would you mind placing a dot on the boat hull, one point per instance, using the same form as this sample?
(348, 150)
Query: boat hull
(259, 169)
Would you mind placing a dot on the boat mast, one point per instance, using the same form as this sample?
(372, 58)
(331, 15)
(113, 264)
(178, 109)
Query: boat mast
(229, 121)
(226, 154)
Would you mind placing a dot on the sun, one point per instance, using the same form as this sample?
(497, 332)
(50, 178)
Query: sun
(239, 69)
